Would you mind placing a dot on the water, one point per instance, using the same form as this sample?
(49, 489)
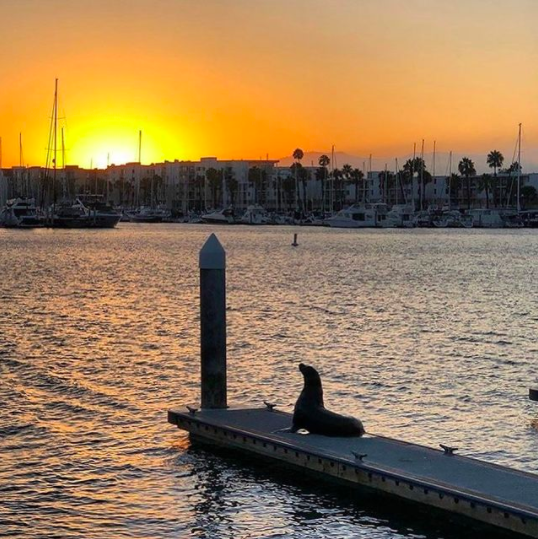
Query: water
(427, 335)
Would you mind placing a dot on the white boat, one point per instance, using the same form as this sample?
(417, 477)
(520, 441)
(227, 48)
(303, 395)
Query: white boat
(220, 217)
(423, 219)
(356, 216)
(255, 215)
(147, 214)
(21, 213)
(486, 218)
(400, 216)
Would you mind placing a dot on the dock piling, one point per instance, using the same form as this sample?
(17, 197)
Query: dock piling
(213, 323)
(294, 244)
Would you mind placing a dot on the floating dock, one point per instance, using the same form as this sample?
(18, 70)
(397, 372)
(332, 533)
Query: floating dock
(492, 494)
(495, 495)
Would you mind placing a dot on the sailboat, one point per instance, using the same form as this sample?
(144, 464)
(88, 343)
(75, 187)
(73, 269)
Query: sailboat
(21, 211)
(89, 211)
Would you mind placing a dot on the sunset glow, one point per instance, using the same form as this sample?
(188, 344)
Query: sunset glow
(242, 79)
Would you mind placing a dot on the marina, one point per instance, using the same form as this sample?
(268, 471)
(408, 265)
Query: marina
(268, 270)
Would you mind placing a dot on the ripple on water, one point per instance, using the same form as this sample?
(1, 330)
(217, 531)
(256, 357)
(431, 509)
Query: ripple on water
(429, 336)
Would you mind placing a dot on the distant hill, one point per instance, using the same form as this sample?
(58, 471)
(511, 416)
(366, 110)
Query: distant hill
(530, 161)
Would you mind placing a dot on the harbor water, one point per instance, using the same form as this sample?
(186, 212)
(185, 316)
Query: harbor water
(427, 335)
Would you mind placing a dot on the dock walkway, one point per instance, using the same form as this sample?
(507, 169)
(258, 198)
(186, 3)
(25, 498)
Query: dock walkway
(489, 493)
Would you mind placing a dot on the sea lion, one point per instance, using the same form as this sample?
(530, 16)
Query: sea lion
(311, 414)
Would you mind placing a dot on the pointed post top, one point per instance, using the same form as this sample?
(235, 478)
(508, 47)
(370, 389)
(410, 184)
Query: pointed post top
(212, 254)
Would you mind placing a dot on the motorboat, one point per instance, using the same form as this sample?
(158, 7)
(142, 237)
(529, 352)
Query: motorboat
(452, 219)
(356, 216)
(255, 215)
(220, 217)
(147, 214)
(486, 218)
(400, 216)
(512, 219)
(530, 218)
(95, 213)
(21, 213)
(423, 219)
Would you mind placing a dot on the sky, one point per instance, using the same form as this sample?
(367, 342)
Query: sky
(246, 79)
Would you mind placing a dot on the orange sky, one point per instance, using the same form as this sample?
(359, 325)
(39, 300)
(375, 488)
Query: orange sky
(246, 78)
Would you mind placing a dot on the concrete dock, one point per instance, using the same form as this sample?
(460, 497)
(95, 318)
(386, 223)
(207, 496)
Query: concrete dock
(492, 494)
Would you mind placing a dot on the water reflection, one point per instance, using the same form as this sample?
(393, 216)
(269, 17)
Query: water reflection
(231, 488)
(426, 335)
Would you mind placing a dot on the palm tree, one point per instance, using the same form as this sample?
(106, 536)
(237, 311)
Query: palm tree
(512, 169)
(386, 182)
(257, 178)
(347, 173)
(466, 168)
(484, 184)
(357, 179)
(298, 154)
(417, 165)
(231, 183)
(199, 184)
(338, 186)
(495, 161)
(288, 185)
(453, 186)
(320, 177)
(214, 179)
(303, 177)
(323, 162)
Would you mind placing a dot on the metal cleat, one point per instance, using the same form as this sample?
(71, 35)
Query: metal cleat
(191, 410)
(448, 450)
(270, 406)
(359, 456)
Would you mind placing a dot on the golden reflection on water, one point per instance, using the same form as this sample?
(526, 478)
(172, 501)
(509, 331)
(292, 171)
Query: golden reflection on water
(425, 335)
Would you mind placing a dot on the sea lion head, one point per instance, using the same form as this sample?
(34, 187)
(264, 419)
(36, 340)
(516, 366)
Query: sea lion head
(311, 376)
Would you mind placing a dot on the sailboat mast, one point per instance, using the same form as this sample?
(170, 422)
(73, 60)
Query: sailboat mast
(64, 179)
(331, 198)
(422, 177)
(364, 182)
(140, 147)
(433, 164)
(413, 174)
(384, 192)
(518, 168)
(369, 170)
(20, 165)
(55, 142)
(450, 180)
